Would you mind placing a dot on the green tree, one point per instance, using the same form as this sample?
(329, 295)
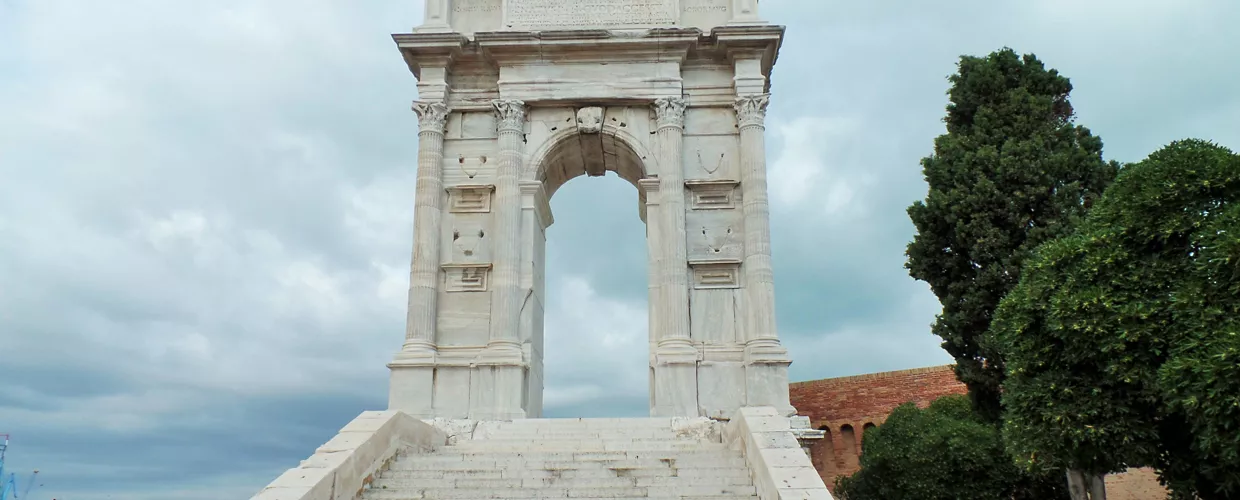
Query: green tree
(945, 452)
(1012, 171)
(1122, 340)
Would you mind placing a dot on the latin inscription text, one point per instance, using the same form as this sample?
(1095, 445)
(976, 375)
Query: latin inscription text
(562, 14)
(704, 5)
(475, 5)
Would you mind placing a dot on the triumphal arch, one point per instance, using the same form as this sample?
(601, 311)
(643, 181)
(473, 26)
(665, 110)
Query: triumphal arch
(515, 98)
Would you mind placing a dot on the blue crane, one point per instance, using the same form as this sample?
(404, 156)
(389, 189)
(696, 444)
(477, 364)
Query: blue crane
(8, 485)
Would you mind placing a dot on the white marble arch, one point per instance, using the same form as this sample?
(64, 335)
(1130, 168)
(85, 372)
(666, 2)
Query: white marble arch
(551, 162)
(567, 153)
(505, 119)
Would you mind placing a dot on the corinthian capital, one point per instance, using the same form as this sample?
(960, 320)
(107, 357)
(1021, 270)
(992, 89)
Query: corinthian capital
(432, 116)
(511, 114)
(670, 111)
(751, 109)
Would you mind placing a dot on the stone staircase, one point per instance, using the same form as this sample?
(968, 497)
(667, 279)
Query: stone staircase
(657, 458)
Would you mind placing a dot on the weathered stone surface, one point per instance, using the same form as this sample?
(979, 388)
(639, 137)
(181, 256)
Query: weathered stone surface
(506, 121)
(472, 16)
(780, 469)
(573, 458)
(348, 462)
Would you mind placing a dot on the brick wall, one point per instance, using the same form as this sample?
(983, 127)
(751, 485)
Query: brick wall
(846, 406)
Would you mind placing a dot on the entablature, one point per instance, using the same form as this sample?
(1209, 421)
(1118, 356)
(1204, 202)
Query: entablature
(608, 65)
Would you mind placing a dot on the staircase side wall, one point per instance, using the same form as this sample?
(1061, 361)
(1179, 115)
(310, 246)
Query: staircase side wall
(779, 467)
(345, 465)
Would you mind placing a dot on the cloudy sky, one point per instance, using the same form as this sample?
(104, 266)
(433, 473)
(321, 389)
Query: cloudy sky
(206, 210)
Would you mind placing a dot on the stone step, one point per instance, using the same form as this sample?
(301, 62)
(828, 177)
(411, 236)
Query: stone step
(563, 482)
(450, 455)
(400, 495)
(728, 475)
(597, 473)
(602, 445)
(558, 492)
(483, 463)
(586, 436)
(610, 423)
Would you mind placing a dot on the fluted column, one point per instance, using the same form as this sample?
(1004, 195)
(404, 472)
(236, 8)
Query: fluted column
(759, 279)
(427, 217)
(676, 358)
(674, 275)
(505, 279)
(413, 369)
(501, 371)
(766, 359)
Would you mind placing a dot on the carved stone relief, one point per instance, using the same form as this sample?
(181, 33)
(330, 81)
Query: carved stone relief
(471, 166)
(590, 120)
(470, 198)
(469, 162)
(510, 114)
(708, 276)
(714, 235)
(716, 238)
(751, 109)
(466, 277)
(713, 195)
(467, 242)
(432, 116)
(713, 157)
(710, 166)
(466, 239)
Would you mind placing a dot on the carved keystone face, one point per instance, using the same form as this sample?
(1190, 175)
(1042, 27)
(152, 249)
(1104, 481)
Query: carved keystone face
(589, 120)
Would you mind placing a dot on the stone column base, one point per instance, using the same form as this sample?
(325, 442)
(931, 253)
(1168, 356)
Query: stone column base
(675, 384)
(411, 389)
(498, 391)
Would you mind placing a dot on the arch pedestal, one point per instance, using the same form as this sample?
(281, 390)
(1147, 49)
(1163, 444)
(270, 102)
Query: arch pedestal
(494, 150)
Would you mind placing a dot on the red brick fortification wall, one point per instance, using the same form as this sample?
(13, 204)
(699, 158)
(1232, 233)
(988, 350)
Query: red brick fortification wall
(845, 407)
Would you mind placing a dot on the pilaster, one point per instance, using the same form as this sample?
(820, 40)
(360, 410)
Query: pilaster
(501, 366)
(435, 19)
(654, 262)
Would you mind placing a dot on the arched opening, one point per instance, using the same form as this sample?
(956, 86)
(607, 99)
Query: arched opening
(865, 433)
(596, 290)
(824, 455)
(850, 455)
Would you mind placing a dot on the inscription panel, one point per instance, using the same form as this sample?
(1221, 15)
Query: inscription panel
(470, 16)
(704, 14)
(558, 14)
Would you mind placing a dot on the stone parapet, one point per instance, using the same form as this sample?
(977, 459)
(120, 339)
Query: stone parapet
(345, 465)
(779, 467)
